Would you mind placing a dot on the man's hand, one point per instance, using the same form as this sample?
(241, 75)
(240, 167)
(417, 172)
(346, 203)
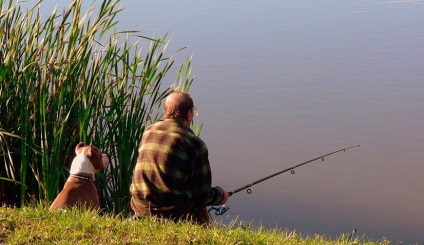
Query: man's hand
(225, 199)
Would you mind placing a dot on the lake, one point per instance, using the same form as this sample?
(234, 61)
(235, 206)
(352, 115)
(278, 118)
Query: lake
(281, 82)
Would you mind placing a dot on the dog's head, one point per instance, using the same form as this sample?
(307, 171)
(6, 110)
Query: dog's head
(89, 155)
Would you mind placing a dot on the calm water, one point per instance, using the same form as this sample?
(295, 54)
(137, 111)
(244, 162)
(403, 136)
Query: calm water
(281, 82)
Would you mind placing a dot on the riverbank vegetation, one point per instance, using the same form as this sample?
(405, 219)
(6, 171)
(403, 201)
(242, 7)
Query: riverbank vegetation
(72, 76)
(37, 225)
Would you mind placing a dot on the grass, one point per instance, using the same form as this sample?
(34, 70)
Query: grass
(35, 224)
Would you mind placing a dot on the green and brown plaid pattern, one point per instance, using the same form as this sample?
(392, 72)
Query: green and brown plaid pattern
(173, 167)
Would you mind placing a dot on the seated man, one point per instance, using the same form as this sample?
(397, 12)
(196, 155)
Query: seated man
(172, 177)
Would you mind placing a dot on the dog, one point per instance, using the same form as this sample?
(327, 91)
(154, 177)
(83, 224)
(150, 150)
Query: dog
(79, 190)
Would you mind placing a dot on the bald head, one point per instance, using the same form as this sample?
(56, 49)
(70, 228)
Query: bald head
(178, 105)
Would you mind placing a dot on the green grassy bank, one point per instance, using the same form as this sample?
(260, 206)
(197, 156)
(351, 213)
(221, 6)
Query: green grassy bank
(37, 225)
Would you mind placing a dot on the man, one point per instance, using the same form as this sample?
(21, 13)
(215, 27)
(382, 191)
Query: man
(172, 177)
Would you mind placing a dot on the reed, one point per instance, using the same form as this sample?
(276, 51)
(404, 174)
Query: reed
(74, 77)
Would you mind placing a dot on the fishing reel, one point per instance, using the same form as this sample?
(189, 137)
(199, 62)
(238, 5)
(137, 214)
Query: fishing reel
(219, 210)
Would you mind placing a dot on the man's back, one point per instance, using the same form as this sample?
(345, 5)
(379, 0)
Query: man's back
(170, 154)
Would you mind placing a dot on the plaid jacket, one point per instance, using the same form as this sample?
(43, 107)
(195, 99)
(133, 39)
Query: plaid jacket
(173, 167)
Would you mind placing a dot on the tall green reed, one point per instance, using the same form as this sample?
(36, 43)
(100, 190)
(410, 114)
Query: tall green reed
(74, 77)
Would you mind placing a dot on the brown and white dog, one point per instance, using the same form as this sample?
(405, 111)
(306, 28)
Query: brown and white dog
(79, 189)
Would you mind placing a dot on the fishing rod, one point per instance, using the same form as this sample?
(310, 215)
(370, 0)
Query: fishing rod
(291, 169)
(222, 209)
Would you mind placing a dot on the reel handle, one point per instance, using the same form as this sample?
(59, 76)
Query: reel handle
(220, 210)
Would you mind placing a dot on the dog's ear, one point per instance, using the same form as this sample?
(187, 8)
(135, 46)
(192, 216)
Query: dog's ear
(79, 148)
(95, 156)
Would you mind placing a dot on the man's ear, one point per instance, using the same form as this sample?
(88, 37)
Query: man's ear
(190, 115)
